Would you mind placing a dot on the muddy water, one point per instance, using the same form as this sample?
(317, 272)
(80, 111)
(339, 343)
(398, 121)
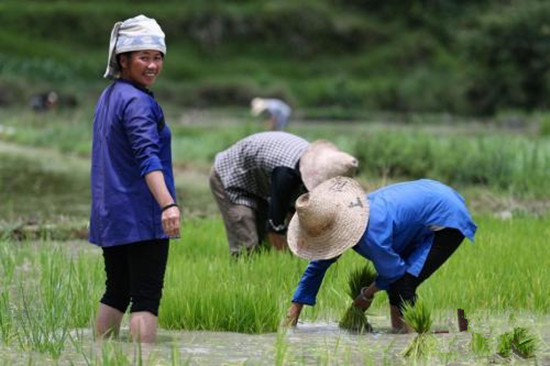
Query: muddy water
(324, 343)
(307, 344)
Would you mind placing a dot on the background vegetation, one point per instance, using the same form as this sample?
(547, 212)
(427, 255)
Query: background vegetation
(330, 58)
(446, 89)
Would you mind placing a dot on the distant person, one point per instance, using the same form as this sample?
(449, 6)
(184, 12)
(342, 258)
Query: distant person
(276, 111)
(408, 230)
(44, 102)
(256, 181)
(134, 209)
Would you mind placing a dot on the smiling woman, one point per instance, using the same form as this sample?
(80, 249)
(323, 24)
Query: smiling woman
(134, 210)
(141, 67)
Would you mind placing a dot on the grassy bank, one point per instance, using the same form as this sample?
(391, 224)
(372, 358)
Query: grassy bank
(331, 59)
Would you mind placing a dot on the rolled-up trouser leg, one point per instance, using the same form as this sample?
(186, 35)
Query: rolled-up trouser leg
(239, 221)
(147, 266)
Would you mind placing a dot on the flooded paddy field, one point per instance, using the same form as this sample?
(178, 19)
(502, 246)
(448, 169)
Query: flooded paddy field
(219, 311)
(216, 311)
(309, 344)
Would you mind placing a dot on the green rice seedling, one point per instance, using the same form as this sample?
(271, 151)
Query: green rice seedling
(7, 329)
(112, 353)
(480, 344)
(354, 318)
(281, 347)
(419, 318)
(524, 342)
(504, 347)
(520, 342)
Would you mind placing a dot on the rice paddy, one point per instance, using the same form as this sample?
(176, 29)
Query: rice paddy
(218, 310)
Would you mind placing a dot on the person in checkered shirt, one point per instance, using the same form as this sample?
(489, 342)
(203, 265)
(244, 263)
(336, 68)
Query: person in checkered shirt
(256, 181)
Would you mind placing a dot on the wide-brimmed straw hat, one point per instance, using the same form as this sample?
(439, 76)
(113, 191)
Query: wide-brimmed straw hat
(328, 220)
(322, 160)
(257, 105)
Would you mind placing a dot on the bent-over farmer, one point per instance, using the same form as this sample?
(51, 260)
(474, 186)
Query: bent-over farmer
(256, 181)
(276, 111)
(408, 230)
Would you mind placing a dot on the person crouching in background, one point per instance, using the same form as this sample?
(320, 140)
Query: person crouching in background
(256, 181)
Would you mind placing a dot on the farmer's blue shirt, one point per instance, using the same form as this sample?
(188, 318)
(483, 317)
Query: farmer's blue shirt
(130, 139)
(399, 234)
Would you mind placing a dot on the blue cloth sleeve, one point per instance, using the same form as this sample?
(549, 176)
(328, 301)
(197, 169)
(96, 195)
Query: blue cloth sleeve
(141, 125)
(306, 292)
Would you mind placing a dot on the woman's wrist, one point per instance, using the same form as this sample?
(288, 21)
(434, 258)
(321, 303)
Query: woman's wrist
(363, 300)
(365, 295)
(170, 205)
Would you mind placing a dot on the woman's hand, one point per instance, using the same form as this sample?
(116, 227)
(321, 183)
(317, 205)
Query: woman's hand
(293, 314)
(366, 297)
(171, 221)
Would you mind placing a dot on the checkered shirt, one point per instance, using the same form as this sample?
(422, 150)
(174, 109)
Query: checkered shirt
(245, 168)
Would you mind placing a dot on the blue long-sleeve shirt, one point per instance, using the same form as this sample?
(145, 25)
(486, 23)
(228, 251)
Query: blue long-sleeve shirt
(130, 140)
(399, 234)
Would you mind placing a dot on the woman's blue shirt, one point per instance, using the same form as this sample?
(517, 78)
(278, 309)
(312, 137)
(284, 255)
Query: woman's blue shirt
(399, 234)
(130, 140)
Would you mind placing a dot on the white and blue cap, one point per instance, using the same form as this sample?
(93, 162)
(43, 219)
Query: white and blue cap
(134, 34)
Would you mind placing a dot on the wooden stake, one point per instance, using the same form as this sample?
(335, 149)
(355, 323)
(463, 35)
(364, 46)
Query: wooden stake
(462, 321)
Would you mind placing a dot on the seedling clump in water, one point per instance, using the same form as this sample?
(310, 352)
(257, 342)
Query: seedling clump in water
(419, 318)
(520, 342)
(355, 319)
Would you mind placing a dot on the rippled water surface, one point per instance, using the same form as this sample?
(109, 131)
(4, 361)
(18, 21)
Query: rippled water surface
(307, 344)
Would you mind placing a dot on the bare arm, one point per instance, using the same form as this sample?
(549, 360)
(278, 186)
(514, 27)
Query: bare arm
(171, 216)
(293, 314)
(364, 300)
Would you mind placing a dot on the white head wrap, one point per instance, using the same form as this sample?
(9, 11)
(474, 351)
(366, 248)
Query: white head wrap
(134, 34)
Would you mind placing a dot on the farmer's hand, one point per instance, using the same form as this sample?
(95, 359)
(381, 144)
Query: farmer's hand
(365, 298)
(171, 221)
(293, 315)
(277, 241)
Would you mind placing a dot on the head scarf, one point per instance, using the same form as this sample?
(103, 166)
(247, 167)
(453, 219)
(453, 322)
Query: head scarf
(134, 34)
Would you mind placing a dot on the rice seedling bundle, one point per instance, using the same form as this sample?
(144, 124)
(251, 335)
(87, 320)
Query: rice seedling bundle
(419, 318)
(519, 342)
(354, 318)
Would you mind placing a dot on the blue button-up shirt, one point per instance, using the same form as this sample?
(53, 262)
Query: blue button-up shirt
(130, 139)
(399, 234)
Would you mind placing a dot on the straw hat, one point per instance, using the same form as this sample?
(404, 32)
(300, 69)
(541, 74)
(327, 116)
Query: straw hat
(323, 160)
(258, 105)
(328, 220)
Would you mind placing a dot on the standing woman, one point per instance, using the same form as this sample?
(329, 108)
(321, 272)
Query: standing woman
(134, 210)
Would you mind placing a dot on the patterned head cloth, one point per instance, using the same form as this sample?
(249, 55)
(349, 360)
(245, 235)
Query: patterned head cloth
(134, 34)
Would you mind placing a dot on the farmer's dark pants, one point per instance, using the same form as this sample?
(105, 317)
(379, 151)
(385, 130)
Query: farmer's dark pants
(135, 273)
(245, 227)
(445, 243)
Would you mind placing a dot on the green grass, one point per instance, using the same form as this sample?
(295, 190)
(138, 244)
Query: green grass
(326, 56)
(48, 289)
(514, 164)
